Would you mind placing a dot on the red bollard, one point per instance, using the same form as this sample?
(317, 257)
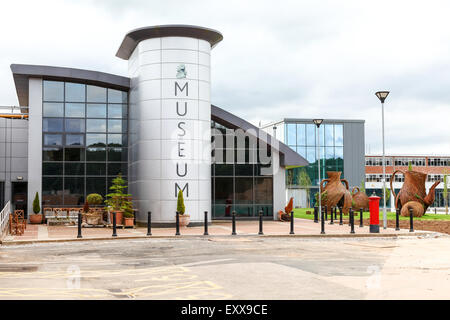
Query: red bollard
(374, 207)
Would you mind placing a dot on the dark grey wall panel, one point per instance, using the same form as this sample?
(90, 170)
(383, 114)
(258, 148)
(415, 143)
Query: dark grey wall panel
(354, 152)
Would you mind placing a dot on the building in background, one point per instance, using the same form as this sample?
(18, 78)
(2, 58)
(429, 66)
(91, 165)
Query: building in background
(341, 149)
(75, 130)
(434, 166)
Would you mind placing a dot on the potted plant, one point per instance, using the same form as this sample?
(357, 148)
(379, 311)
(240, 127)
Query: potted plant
(117, 200)
(36, 217)
(93, 216)
(184, 218)
(128, 216)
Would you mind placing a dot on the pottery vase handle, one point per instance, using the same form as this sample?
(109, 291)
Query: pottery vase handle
(353, 190)
(346, 182)
(321, 184)
(392, 189)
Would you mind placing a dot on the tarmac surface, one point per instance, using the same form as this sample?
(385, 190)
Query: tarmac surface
(241, 267)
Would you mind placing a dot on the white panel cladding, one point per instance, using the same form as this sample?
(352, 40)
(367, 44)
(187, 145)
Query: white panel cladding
(34, 141)
(171, 149)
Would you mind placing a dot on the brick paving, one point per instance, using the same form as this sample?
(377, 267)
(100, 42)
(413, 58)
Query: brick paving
(302, 227)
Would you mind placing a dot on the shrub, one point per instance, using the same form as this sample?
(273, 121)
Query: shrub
(36, 206)
(86, 207)
(117, 199)
(94, 198)
(180, 203)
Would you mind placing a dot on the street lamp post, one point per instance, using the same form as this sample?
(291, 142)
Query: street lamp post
(382, 95)
(318, 122)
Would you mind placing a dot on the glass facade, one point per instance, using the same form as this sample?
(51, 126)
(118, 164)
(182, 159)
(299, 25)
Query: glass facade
(84, 141)
(302, 138)
(239, 182)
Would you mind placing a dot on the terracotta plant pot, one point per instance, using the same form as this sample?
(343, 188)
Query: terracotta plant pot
(119, 217)
(184, 220)
(336, 193)
(36, 218)
(360, 200)
(93, 219)
(413, 189)
(128, 222)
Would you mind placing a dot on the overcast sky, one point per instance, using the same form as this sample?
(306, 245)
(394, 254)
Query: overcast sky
(278, 59)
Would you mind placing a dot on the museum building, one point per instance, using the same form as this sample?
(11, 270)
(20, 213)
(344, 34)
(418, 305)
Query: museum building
(75, 130)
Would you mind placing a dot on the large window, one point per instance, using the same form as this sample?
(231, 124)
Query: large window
(302, 138)
(239, 181)
(84, 141)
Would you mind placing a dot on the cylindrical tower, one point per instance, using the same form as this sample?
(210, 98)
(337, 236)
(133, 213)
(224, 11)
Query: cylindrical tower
(169, 119)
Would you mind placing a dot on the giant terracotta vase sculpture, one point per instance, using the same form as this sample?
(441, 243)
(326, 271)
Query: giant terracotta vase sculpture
(336, 193)
(360, 200)
(412, 194)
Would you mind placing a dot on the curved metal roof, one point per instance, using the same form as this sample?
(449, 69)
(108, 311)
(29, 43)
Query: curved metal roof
(135, 36)
(22, 72)
(288, 157)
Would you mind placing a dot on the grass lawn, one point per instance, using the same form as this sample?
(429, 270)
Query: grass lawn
(301, 213)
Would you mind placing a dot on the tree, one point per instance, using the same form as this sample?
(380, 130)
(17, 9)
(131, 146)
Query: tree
(388, 195)
(305, 182)
(118, 200)
(36, 205)
(363, 185)
(180, 203)
(409, 166)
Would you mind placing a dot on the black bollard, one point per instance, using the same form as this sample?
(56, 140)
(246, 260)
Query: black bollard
(411, 220)
(177, 223)
(331, 216)
(114, 225)
(233, 223)
(340, 216)
(206, 224)
(397, 219)
(322, 221)
(260, 222)
(352, 221)
(292, 223)
(326, 213)
(335, 213)
(79, 225)
(149, 223)
(316, 220)
(361, 218)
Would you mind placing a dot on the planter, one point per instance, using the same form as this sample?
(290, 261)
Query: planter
(184, 220)
(93, 219)
(36, 218)
(119, 217)
(128, 222)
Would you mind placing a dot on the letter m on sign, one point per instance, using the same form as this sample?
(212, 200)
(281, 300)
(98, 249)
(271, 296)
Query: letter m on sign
(186, 187)
(177, 87)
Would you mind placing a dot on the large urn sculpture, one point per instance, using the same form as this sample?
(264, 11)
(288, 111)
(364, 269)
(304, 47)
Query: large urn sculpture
(336, 193)
(360, 200)
(413, 193)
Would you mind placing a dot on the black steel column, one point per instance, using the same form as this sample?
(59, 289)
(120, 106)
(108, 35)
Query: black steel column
(233, 223)
(340, 216)
(80, 218)
(177, 224)
(411, 220)
(397, 219)
(361, 217)
(322, 221)
(206, 224)
(149, 223)
(114, 225)
(260, 222)
(316, 219)
(331, 217)
(352, 221)
(292, 223)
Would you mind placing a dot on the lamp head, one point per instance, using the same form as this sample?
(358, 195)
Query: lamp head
(382, 95)
(318, 122)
